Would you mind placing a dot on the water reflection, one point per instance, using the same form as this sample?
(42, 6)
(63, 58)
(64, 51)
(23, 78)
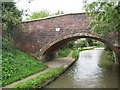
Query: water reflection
(86, 73)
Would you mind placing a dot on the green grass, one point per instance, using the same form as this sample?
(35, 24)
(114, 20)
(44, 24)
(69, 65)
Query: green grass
(106, 60)
(17, 64)
(87, 48)
(41, 79)
(63, 52)
(75, 53)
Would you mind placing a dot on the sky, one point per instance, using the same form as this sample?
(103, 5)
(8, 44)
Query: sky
(68, 6)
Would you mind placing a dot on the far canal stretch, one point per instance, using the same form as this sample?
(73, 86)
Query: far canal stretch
(86, 73)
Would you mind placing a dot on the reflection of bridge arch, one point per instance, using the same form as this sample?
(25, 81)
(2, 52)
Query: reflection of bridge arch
(38, 37)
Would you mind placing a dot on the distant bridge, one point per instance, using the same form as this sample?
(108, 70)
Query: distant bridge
(42, 37)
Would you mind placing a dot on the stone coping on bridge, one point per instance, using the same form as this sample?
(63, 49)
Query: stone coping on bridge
(49, 17)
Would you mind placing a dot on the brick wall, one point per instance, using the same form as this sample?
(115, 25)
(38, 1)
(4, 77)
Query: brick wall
(37, 36)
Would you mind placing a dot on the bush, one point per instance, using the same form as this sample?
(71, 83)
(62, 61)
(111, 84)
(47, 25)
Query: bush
(99, 44)
(63, 52)
(75, 53)
(106, 60)
(41, 79)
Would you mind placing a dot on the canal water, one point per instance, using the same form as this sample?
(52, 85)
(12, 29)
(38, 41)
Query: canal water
(86, 73)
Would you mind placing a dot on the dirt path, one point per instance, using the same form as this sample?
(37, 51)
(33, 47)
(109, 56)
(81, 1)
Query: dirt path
(57, 62)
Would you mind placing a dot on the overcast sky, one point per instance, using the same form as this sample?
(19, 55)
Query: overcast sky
(68, 6)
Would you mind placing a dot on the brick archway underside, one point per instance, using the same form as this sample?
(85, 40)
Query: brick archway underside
(56, 45)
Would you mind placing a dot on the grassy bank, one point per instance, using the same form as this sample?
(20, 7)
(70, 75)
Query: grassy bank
(87, 48)
(107, 59)
(63, 52)
(17, 64)
(76, 52)
(41, 79)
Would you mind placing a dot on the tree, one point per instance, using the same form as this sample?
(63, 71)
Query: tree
(43, 14)
(39, 14)
(59, 12)
(89, 41)
(105, 16)
(10, 16)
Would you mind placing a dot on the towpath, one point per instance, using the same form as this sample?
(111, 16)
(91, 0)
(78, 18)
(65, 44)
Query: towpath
(57, 62)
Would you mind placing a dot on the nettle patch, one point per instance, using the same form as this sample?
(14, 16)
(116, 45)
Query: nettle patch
(17, 64)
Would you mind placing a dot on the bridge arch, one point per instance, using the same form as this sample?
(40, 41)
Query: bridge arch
(53, 46)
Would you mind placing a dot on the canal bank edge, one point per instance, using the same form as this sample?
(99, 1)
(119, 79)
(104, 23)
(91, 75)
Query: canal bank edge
(66, 67)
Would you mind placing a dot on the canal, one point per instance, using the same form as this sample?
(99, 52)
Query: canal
(86, 73)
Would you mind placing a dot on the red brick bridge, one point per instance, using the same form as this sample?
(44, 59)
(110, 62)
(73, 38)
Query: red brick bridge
(42, 37)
